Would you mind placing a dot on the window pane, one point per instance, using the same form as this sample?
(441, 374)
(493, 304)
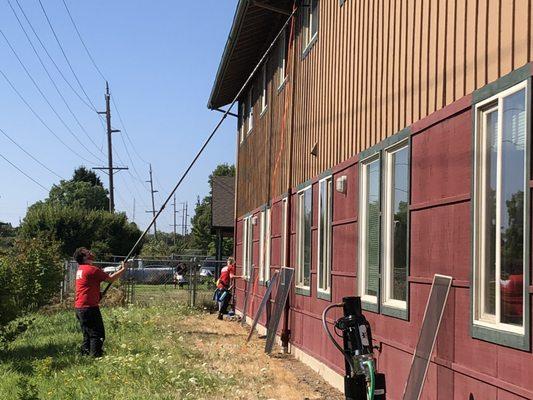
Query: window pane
(490, 159)
(314, 18)
(399, 228)
(512, 209)
(372, 228)
(323, 229)
(307, 237)
(325, 234)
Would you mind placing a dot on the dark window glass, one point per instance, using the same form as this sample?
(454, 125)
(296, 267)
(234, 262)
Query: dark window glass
(512, 208)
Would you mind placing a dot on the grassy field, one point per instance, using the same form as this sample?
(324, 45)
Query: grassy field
(146, 358)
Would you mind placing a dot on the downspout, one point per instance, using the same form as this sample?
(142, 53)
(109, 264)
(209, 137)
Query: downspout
(286, 333)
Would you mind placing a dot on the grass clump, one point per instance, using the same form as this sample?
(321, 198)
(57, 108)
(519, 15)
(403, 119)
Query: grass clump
(146, 358)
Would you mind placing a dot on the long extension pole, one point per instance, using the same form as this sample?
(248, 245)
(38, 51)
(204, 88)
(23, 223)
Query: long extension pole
(217, 126)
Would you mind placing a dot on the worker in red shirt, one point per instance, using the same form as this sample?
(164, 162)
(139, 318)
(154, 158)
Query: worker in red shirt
(224, 286)
(88, 279)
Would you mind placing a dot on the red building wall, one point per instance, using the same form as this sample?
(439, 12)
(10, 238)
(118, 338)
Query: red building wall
(440, 242)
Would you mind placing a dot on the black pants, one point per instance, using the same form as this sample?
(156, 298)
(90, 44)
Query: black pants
(92, 326)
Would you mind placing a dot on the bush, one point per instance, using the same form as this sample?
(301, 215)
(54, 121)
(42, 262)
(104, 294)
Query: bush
(30, 275)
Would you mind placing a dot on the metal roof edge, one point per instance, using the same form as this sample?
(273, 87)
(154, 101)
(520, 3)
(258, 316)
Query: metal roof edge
(228, 48)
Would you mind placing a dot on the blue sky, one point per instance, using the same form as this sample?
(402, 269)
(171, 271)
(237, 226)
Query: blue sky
(160, 58)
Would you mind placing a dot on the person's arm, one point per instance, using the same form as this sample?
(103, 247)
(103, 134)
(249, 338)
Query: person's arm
(115, 275)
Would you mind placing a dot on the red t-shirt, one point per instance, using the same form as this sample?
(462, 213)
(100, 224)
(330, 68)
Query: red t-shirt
(227, 273)
(88, 279)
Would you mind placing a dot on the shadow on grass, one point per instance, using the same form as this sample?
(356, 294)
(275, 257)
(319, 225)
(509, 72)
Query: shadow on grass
(23, 359)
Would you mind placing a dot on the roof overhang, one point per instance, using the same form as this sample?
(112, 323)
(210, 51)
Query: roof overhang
(255, 25)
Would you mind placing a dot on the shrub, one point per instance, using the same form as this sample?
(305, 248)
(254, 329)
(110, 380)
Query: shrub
(30, 274)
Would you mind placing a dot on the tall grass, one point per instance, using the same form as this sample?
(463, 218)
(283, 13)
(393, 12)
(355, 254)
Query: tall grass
(146, 358)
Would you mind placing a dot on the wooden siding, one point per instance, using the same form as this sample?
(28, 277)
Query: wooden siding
(376, 67)
(440, 241)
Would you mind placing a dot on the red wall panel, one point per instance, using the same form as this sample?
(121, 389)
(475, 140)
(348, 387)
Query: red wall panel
(440, 241)
(442, 160)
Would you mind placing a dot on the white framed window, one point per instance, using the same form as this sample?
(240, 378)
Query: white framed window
(501, 209)
(250, 110)
(267, 240)
(395, 225)
(262, 230)
(264, 246)
(325, 218)
(284, 229)
(264, 87)
(303, 237)
(242, 120)
(369, 229)
(310, 23)
(247, 246)
(283, 50)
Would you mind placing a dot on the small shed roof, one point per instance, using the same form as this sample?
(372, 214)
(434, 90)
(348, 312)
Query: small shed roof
(223, 202)
(254, 26)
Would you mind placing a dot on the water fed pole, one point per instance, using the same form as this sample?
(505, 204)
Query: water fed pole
(361, 382)
(133, 250)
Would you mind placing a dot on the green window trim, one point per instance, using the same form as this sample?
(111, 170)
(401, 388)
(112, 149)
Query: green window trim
(378, 151)
(482, 332)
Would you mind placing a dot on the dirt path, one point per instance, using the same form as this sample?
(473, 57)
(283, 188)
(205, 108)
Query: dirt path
(256, 375)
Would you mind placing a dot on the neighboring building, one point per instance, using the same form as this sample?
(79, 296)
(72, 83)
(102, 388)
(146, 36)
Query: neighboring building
(222, 209)
(384, 141)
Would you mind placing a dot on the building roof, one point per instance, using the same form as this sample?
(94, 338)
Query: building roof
(254, 26)
(223, 202)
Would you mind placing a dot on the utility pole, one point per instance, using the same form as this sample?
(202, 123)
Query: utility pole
(133, 209)
(186, 217)
(174, 216)
(110, 168)
(152, 191)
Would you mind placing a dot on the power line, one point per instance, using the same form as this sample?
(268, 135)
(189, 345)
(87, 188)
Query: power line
(24, 173)
(29, 154)
(42, 120)
(45, 97)
(138, 177)
(127, 134)
(83, 42)
(90, 106)
(50, 77)
(65, 55)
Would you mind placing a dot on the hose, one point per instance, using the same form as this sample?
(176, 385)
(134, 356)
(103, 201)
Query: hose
(337, 345)
(372, 386)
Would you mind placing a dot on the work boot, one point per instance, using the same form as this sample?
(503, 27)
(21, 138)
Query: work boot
(220, 316)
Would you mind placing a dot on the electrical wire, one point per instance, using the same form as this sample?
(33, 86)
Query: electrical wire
(112, 99)
(65, 55)
(29, 154)
(45, 97)
(50, 77)
(126, 131)
(23, 173)
(83, 42)
(41, 119)
(91, 107)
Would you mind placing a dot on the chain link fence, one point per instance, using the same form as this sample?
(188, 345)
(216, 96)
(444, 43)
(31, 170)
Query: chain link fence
(186, 280)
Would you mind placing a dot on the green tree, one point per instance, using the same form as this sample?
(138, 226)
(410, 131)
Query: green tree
(7, 235)
(83, 174)
(79, 194)
(106, 233)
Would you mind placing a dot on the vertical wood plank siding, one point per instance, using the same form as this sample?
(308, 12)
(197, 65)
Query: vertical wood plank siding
(376, 67)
